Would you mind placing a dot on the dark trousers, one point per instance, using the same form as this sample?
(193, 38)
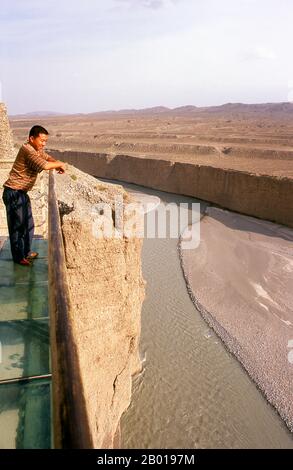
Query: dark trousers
(20, 222)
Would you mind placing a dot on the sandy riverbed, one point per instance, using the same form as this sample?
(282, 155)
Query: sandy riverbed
(241, 278)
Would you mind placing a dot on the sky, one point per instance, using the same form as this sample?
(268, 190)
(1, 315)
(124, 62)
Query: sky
(85, 56)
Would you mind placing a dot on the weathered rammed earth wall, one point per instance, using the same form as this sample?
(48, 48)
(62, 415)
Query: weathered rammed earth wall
(266, 197)
(106, 293)
(6, 141)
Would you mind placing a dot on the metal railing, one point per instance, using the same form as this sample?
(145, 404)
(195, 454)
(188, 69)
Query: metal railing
(71, 428)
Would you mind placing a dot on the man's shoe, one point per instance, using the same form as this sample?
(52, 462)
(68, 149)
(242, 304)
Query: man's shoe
(32, 255)
(24, 262)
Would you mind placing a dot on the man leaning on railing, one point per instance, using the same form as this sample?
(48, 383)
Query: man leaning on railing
(30, 160)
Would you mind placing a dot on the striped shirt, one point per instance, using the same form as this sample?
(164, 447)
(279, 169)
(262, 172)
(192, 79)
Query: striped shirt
(28, 163)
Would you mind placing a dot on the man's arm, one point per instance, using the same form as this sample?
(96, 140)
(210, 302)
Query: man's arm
(50, 159)
(55, 165)
(61, 168)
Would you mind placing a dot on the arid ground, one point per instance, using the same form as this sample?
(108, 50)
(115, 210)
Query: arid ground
(253, 138)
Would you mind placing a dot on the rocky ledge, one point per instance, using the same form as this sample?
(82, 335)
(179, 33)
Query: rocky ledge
(106, 292)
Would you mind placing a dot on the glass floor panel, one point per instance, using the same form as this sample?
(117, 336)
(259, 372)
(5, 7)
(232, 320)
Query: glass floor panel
(39, 244)
(25, 415)
(12, 274)
(20, 302)
(25, 405)
(24, 348)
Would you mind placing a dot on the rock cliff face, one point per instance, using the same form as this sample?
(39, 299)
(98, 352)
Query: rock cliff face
(106, 291)
(7, 151)
(266, 197)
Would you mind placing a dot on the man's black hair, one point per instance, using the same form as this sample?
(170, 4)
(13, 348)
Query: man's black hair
(37, 130)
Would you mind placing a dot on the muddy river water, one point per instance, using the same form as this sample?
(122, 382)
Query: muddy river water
(191, 393)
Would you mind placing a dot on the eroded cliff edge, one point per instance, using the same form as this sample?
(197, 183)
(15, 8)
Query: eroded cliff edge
(263, 196)
(106, 293)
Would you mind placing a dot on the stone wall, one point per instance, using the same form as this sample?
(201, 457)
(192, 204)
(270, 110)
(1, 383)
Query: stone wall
(106, 293)
(266, 197)
(7, 150)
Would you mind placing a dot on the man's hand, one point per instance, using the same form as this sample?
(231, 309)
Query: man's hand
(61, 169)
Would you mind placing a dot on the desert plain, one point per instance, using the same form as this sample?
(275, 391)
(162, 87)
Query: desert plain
(253, 138)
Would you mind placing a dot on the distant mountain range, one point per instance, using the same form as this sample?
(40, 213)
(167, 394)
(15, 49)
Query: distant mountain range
(34, 114)
(234, 108)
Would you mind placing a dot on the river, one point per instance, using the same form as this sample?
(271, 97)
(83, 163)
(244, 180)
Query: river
(191, 393)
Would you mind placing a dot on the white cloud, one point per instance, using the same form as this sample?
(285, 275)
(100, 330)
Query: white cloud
(111, 54)
(152, 4)
(261, 53)
(265, 53)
